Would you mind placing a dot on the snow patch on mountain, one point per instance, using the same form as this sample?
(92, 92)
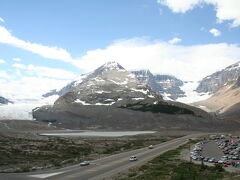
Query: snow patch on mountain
(137, 98)
(191, 94)
(140, 90)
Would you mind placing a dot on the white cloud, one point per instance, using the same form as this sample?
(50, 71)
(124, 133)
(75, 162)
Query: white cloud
(185, 62)
(42, 71)
(4, 74)
(2, 61)
(47, 52)
(16, 59)
(226, 10)
(175, 40)
(28, 87)
(25, 82)
(180, 6)
(2, 20)
(215, 32)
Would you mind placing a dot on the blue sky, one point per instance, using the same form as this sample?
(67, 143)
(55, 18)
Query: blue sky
(69, 37)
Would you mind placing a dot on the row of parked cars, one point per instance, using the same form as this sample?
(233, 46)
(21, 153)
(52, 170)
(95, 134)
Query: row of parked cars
(230, 148)
(196, 154)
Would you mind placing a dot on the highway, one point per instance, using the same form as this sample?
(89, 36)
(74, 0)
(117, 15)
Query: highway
(101, 168)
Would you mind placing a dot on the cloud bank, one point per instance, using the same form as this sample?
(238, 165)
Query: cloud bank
(2, 61)
(2, 20)
(185, 62)
(45, 51)
(42, 71)
(190, 63)
(226, 10)
(175, 40)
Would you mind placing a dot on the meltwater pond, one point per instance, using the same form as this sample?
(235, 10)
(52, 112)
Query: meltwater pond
(97, 133)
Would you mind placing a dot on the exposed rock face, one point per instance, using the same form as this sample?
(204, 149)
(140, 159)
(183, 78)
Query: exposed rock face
(237, 84)
(146, 77)
(212, 83)
(4, 100)
(171, 86)
(113, 98)
(225, 88)
(221, 100)
(166, 85)
(108, 86)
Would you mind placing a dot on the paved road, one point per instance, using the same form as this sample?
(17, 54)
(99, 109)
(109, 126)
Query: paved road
(104, 167)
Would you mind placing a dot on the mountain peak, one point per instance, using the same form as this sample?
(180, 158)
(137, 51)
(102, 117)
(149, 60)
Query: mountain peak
(112, 65)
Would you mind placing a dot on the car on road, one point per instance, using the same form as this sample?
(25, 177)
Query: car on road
(84, 163)
(133, 158)
(150, 147)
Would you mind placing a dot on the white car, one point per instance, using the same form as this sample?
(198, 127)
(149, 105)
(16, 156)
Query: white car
(84, 163)
(150, 147)
(133, 158)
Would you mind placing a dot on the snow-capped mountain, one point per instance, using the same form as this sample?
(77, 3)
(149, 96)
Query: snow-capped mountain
(112, 97)
(224, 86)
(171, 86)
(166, 85)
(110, 84)
(217, 80)
(112, 65)
(5, 100)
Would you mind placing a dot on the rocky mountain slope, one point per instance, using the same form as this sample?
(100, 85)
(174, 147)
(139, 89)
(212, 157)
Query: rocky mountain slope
(217, 80)
(225, 86)
(113, 98)
(4, 100)
(166, 85)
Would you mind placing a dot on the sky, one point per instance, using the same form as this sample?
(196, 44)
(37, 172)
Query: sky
(45, 44)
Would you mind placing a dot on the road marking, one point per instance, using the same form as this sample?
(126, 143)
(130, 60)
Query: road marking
(42, 176)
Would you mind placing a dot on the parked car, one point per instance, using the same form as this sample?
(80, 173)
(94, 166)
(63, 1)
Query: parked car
(84, 163)
(211, 160)
(222, 161)
(235, 157)
(228, 162)
(133, 158)
(206, 159)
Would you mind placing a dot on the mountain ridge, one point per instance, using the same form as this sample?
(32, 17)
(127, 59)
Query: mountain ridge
(116, 99)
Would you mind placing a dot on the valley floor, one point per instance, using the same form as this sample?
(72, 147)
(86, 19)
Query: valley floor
(23, 151)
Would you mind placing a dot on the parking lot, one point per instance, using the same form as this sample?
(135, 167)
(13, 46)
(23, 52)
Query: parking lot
(221, 150)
